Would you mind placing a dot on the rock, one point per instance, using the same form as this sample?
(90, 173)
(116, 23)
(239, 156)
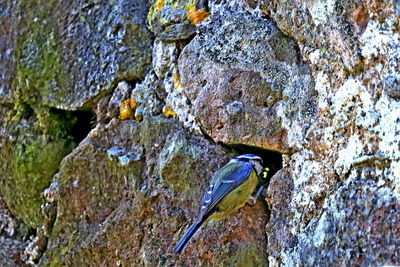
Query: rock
(169, 20)
(179, 88)
(168, 165)
(65, 55)
(32, 153)
(11, 231)
(239, 57)
(10, 252)
(7, 52)
(351, 148)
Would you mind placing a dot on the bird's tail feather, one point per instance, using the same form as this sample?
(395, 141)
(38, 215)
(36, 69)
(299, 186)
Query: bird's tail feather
(186, 237)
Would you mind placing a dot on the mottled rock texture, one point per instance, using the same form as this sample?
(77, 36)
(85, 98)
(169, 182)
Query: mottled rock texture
(255, 79)
(115, 114)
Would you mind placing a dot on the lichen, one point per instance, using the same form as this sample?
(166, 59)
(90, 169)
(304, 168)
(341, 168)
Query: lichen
(127, 109)
(168, 112)
(196, 16)
(187, 5)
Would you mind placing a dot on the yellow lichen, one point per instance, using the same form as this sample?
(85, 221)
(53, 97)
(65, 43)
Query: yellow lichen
(168, 112)
(155, 8)
(138, 116)
(196, 16)
(127, 109)
(177, 82)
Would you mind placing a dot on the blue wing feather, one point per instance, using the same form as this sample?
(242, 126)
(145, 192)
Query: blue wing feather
(219, 188)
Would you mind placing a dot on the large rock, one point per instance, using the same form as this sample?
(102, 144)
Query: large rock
(30, 155)
(346, 179)
(65, 54)
(247, 82)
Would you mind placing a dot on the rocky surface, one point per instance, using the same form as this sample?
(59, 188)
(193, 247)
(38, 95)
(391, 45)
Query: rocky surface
(114, 116)
(255, 78)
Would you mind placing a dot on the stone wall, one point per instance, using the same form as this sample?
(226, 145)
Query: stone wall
(114, 115)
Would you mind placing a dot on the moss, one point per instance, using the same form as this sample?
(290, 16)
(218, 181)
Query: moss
(40, 79)
(39, 75)
(57, 259)
(33, 159)
(44, 138)
(250, 256)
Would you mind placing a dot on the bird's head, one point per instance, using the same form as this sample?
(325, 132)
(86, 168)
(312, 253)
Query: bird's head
(255, 160)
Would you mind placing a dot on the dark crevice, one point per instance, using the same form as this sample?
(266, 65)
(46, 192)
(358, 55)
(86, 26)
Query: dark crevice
(69, 125)
(207, 137)
(83, 125)
(26, 110)
(80, 122)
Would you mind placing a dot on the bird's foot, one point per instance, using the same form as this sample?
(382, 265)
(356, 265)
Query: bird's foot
(252, 201)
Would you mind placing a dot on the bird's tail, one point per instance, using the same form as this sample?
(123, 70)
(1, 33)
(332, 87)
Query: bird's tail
(186, 237)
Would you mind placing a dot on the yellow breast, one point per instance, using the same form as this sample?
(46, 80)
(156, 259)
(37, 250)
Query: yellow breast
(236, 198)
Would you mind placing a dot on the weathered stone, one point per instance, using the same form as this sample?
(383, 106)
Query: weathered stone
(7, 50)
(359, 218)
(30, 155)
(239, 57)
(121, 93)
(65, 54)
(129, 190)
(169, 20)
(11, 231)
(347, 172)
(10, 252)
(169, 164)
(108, 41)
(164, 55)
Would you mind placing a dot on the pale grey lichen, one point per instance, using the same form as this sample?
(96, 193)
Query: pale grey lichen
(322, 11)
(123, 156)
(180, 104)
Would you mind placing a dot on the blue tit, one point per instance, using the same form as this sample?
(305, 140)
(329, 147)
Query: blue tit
(230, 188)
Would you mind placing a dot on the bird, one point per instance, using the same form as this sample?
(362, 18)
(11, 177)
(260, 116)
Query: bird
(230, 188)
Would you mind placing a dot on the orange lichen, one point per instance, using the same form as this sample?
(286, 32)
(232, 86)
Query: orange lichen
(159, 4)
(196, 16)
(168, 112)
(127, 109)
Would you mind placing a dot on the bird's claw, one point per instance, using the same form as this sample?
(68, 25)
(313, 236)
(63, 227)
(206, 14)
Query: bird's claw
(252, 201)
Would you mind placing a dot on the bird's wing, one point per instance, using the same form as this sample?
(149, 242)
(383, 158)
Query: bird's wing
(223, 182)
